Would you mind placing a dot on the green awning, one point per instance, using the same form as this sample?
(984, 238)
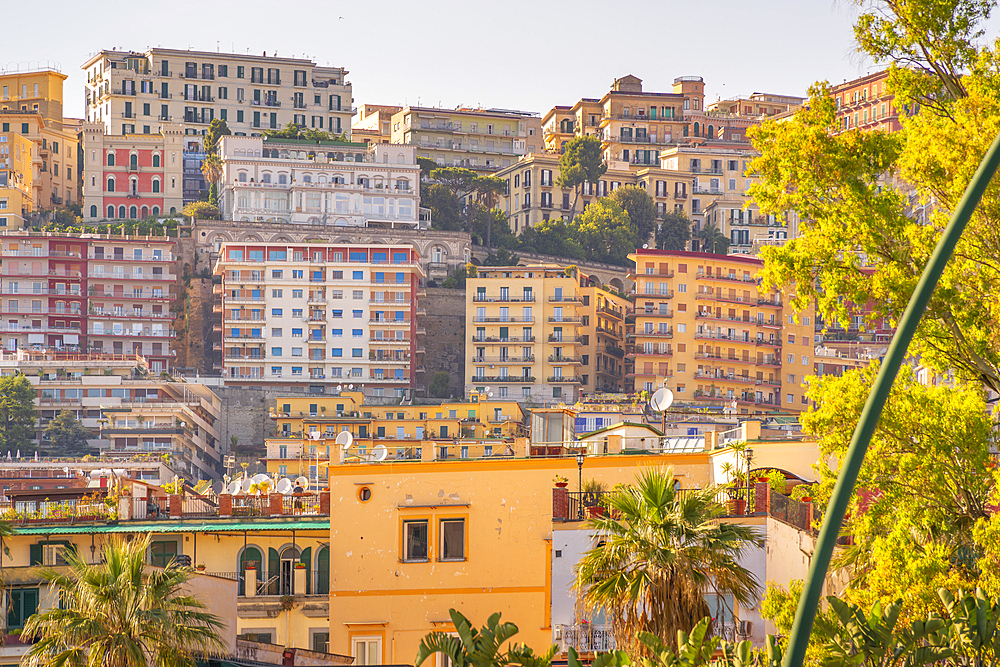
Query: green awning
(173, 527)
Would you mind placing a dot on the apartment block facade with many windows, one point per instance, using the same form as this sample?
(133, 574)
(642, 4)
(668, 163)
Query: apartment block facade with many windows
(340, 184)
(103, 295)
(477, 139)
(17, 180)
(532, 195)
(31, 104)
(132, 177)
(705, 330)
(542, 333)
(320, 315)
(133, 92)
(867, 104)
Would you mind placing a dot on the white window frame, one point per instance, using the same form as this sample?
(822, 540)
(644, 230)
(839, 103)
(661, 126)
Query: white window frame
(367, 639)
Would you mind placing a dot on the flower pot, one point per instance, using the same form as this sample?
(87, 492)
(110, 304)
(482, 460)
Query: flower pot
(562, 485)
(595, 511)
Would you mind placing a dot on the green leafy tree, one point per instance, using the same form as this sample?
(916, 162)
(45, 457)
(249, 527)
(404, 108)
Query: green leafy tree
(922, 489)
(502, 257)
(462, 183)
(427, 166)
(605, 232)
(674, 232)
(201, 210)
(712, 240)
(488, 190)
(445, 212)
(121, 613)
(659, 552)
(861, 240)
(581, 162)
(641, 210)
(217, 129)
(67, 434)
(552, 237)
(494, 223)
(440, 386)
(458, 277)
(480, 648)
(17, 411)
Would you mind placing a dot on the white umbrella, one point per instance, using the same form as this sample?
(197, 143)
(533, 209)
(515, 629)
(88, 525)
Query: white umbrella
(8, 455)
(19, 454)
(36, 456)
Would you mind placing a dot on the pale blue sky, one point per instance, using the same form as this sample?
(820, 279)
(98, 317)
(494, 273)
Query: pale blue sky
(515, 54)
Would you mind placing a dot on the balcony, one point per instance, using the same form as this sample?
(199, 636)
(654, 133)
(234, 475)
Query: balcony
(564, 379)
(727, 359)
(503, 320)
(405, 323)
(565, 320)
(726, 298)
(502, 378)
(660, 333)
(749, 280)
(503, 360)
(481, 298)
(651, 353)
(660, 294)
(567, 299)
(566, 340)
(133, 276)
(773, 302)
(564, 360)
(145, 333)
(387, 341)
(164, 257)
(503, 341)
(604, 310)
(704, 335)
(654, 313)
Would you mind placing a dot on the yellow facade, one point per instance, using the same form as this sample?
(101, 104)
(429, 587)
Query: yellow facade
(419, 538)
(704, 330)
(17, 176)
(31, 104)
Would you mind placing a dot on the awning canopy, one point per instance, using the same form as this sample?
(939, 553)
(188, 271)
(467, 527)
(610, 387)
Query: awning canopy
(174, 527)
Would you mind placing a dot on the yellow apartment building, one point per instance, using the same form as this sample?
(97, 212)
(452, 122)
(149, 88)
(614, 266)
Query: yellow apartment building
(757, 104)
(373, 123)
(542, 333)
(705, 330)
(418, 538)
(307, 427)
(477, 139)
(532, 195)
(17, 180)
(31, 104)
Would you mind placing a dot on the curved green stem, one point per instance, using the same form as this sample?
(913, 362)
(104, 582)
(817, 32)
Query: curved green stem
(805, 614)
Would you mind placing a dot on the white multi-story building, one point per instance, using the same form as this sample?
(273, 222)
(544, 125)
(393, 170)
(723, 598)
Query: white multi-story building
(320, 315)
(132, 92)
(342, 184)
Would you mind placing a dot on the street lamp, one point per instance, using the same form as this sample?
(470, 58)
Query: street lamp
(579, 467)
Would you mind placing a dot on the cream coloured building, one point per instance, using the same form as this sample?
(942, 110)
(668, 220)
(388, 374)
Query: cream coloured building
(132, 92)
(477, 139)
(340, 184)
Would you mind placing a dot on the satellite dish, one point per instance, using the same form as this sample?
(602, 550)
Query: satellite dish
(314, 435)
(379, 453)
(302, 481)
(260, 477)
(94, 474)
(119, 472)
(285, 486)
(345, 439)
(235, 488)
(219, 488)
(661, 400)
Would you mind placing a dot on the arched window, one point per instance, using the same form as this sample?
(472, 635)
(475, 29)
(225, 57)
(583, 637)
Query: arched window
(322, 178)
(156, 185)
(133, 161)
(696, 129)
(156, 160)
(93, 211)
(111, 211)
(266, 178)
(338, 180)
(173, 210)
(111, 184)
(144, 212)
(111, 159)
(156, 211)
(133, 186)
(400, 158)
(250, 556)
(242, 177)
(711, 132)
(358, 157)
(133, 213)
(402, 184)
(282, 179)
(121, 212)
(307, 178)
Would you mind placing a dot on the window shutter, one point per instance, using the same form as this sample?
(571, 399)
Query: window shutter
(273, 569)
(35, 554)
(306, 560)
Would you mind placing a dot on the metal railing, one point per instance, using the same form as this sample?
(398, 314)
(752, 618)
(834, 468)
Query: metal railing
(251, 506)
(300, 503)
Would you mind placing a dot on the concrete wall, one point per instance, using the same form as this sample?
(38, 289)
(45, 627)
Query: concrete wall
(445, 340)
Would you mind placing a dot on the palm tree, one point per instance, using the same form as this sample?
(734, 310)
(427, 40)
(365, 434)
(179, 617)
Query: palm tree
(480, 648)
(121, 613)
(713, 240)
(211, 167)
(659, 552)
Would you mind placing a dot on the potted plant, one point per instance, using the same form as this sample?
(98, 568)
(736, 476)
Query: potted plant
(561, 481)
(287, 602)
(593, 497)
(200, 567)
(300, 566)
(250, 566)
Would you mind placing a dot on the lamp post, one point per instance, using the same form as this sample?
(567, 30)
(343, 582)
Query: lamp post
(579, 467)
(749, 483)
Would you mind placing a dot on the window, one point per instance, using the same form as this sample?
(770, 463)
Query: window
(162, 553)
(321, 641)
(367, 650)
(276, 312)
(415, 534)
(23, 604)
(452, 539)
